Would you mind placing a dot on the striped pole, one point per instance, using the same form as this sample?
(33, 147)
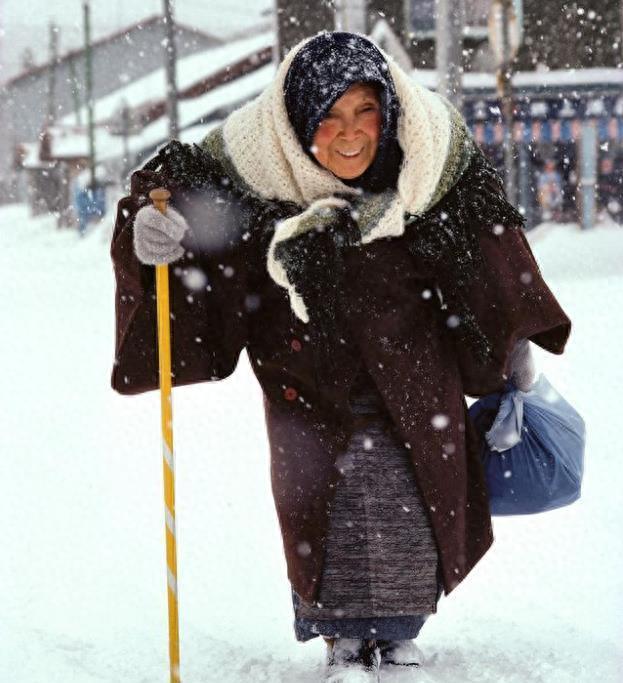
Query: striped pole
(159, 197)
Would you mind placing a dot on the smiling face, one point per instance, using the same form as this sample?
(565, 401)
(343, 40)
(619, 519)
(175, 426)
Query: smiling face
(346, 140)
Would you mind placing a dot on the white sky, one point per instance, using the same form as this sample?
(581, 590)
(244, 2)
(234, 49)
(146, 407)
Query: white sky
(25, 24)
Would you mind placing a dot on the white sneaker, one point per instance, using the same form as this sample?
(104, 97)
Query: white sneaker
(351, 660)
(400, 653)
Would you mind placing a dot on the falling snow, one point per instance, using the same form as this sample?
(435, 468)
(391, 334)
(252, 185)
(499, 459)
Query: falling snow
(84, 593)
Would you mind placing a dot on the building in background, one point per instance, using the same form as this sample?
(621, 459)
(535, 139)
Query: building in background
(131, 123)
(568, 76)
(118, 59)
(557, 33)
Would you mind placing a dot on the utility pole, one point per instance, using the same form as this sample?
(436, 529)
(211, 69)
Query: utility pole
(276, 30)
(505, 36)
(75, 90)
(589, 142)
(350, 15)
(449, 50)
(170, 53)
(53, 46)
(295, 21)
(125, 122)
(505, 92)
(89, 90)
(2, 62)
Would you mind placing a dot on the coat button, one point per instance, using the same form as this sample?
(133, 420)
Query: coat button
(296, 345)
(290, 393)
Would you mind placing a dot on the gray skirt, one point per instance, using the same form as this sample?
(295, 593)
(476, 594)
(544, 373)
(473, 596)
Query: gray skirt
(381, 559)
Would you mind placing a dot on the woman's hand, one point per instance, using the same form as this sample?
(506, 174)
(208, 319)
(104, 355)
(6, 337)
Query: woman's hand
(157, 235)
(522, 369)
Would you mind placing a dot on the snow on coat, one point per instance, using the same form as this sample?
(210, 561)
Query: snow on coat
(223, 300)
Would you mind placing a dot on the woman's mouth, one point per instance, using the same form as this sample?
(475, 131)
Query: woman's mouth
(350, 155)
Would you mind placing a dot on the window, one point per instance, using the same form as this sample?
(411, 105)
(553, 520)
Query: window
(424, 14)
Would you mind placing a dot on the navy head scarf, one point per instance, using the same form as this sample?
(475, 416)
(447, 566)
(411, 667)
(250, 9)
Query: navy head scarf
(321, 72)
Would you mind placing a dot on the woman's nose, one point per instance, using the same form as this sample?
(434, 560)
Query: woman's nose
(349, 130)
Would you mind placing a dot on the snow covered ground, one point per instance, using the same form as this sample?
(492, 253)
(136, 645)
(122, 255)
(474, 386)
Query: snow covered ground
(82, 574)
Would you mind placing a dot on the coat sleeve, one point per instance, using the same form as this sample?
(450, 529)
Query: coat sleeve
(508, 296)
(208, 291)
(510, 301)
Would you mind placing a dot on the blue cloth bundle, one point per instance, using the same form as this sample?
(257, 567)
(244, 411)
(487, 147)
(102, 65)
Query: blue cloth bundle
(533, 451)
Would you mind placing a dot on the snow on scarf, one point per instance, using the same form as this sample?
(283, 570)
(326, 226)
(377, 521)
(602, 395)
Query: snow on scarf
(264, 150)
(263, 154)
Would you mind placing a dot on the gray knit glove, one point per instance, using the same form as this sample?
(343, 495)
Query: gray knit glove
(157, 236)
(522, 369)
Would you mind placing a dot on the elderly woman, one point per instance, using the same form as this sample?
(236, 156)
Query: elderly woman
(345, 229)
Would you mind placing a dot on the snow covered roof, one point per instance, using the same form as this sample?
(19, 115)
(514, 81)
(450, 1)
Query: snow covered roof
(68, 141)
(190, 70)
(195, 112)
(136, 26)
(558, 78)
(30, 156)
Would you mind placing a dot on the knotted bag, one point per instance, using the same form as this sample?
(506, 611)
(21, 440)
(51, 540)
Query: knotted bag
(533, 449)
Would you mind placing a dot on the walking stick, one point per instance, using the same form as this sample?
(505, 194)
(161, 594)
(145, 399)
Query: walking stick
(160, 197)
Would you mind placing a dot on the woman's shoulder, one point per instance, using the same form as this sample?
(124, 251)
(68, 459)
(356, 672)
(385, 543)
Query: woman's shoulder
(473, 197)
(213, 146)
(213, 197)
(461, 154)
(192, 166)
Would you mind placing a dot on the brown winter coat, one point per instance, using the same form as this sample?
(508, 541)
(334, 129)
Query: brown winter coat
(399, 334)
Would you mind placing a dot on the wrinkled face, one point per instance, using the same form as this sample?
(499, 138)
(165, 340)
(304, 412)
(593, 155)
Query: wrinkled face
(346, 140)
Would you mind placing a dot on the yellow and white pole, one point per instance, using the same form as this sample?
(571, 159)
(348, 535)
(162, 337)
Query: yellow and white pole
(160, 197)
